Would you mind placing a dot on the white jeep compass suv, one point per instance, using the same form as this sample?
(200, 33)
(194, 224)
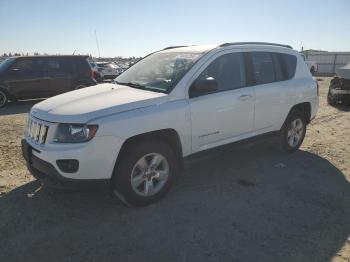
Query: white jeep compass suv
(135, 131)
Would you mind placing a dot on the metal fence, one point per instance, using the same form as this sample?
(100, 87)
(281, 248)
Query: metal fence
(328, 61)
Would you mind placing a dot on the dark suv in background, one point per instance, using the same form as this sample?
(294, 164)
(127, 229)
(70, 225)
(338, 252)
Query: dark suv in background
(43, 76)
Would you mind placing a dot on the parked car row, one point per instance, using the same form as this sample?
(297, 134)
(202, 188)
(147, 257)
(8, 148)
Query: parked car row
(106, 70)
(135, 132)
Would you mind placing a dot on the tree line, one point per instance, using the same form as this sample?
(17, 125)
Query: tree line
(19, 54)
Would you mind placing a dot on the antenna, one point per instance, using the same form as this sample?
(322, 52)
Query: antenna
(98, 47)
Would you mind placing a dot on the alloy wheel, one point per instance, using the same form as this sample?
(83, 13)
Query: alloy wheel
(149, 174)
(295, 132)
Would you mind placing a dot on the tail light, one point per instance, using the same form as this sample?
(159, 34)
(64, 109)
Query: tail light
(93, 74)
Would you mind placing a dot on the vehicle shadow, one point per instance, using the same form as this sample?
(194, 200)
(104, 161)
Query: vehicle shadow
(19, 107)
(343, 107)
(245, 204)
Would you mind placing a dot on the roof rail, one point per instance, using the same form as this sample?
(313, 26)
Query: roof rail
(254, 43)
(172, 47)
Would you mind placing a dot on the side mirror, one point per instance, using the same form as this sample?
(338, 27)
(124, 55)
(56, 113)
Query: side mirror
(203, 86)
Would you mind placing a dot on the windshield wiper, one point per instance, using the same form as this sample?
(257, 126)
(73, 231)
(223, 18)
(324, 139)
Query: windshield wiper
(139, 86)
(134, 85)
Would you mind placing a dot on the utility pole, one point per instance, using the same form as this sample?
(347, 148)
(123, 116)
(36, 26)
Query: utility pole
(98, 47)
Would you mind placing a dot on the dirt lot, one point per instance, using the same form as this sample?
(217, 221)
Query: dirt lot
(239, 204)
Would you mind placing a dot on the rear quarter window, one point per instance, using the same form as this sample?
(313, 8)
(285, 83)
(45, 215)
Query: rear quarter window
(289, 63)
(82, 64)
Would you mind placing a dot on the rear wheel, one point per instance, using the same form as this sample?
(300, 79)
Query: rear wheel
(293, 132)
(144, 173)
(3, 98)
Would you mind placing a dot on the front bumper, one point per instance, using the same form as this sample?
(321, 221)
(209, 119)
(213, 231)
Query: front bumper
(48, 174)
(96, 161)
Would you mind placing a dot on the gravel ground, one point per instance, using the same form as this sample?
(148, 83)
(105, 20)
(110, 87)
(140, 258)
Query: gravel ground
(241, 203)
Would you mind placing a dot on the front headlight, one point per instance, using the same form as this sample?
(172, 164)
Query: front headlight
(74, 133)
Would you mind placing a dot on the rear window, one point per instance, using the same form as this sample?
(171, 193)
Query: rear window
(263, 68)
(65, 64)
(278, 67)
(53, 65)
(271, 67)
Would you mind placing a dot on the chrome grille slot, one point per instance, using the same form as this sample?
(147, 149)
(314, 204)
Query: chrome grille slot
(37, 130)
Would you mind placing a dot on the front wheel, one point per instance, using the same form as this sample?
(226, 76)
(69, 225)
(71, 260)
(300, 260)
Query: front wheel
(292, 132)
(144, 173)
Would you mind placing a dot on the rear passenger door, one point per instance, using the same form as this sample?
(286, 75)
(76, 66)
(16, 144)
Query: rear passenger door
(273, 92)
(58, 70)
(223, 116)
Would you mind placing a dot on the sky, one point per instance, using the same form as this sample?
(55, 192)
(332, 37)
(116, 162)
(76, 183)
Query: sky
(136, 27)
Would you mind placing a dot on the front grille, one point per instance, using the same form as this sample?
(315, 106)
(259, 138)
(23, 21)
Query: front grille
(37, 131)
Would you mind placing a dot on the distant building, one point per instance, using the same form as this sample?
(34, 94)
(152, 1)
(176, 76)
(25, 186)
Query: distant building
(327, 62)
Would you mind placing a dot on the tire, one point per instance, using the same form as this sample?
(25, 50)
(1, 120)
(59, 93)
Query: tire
(3, 98)
(293, 131)
(335, 84)
(331, 99)
(133, 180)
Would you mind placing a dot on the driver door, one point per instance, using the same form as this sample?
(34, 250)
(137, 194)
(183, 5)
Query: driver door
(225, 115)
(26, 78)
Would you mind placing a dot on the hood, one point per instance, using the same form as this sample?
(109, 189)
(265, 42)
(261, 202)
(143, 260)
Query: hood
(83, 105)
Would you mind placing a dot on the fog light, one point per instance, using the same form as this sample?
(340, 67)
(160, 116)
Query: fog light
(68, 165)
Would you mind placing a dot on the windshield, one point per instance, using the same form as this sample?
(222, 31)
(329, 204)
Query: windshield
(5, 64)
(159, 72)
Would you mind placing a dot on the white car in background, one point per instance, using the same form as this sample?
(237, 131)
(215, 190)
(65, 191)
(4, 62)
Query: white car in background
(108, 70)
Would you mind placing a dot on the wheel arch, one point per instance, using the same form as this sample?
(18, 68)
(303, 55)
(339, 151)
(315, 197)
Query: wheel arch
(304, 108)
(169, 135)
(6, 91)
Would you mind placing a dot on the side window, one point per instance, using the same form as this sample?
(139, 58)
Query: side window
(278, 65)
(53, 65)
(227, 70)
(289, 64)
(23, 65)
(78, 65)
(67, 65)
(263, 67)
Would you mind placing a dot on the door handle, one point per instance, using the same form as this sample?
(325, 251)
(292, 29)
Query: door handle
(244, 97)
